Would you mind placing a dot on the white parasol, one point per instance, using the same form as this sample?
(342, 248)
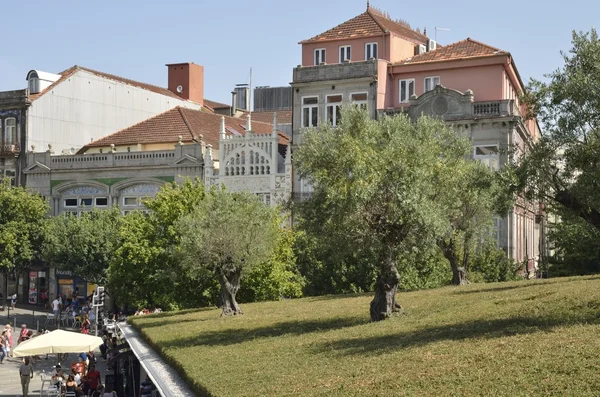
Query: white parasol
(58, 341)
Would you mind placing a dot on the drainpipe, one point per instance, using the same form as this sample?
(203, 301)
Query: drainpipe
(512, 220)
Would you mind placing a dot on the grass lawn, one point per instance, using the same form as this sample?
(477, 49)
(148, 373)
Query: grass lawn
(526, 338)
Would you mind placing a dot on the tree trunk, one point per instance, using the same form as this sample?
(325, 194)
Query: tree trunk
(459, 271)
(384, 302)
(230, 284)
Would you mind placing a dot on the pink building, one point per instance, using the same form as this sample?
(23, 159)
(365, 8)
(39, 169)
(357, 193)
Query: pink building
(386, 66)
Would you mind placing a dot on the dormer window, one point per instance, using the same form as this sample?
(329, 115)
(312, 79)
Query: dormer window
(319, 56)
(33, 82)
(370, 51)
(344, 53)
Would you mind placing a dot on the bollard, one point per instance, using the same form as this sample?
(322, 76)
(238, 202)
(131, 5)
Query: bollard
(15, 322)
(38, 326)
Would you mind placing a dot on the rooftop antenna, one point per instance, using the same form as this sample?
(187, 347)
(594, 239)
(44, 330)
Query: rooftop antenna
(436, 30)
(250, 94)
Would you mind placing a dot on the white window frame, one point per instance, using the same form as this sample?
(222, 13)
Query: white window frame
(100, 205)
(131, 205)
(321, 52)
(347, 55)
(488, 158)
(335, 112)
(33, 85)
(313, 107)
(372, 45)
(432, 80)
(12, 130)
(70, 198)
(408, 93)
(360, 103)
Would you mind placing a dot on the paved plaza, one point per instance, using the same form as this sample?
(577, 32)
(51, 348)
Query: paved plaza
(10, 383)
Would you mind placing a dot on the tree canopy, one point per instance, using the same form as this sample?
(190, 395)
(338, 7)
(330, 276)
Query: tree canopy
(563, 168)
(85, 244)
(228, 234)
(381, 184)
(22, 216)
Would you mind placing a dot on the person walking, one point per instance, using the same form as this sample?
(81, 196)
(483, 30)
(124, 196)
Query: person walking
(9, 334)
(3, 342)
(26, 373)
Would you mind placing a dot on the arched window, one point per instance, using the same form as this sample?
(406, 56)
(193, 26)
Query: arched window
(33, 82)
(10, 131)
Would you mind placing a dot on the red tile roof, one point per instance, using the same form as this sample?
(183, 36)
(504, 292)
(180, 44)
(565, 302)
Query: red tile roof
(72, 70)
(215, 105)
(464, 49)
(283, 116)
(369, 23)
(187, 123)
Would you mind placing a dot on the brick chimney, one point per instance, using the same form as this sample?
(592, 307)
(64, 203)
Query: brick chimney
(187, 81)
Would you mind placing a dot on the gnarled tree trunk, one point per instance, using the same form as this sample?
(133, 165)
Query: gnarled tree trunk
(384, 302)
(230, 284)
(459, 270)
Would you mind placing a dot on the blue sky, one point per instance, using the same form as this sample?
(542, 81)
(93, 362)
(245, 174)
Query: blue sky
(135, 38)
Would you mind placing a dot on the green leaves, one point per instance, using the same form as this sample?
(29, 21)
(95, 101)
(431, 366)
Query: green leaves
(22, 215)
(84, 245)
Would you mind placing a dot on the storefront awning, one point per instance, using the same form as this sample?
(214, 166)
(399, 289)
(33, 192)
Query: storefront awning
(165, 378)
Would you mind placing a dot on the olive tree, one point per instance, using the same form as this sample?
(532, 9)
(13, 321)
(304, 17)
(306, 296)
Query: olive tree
(380, 185)
(228, 234)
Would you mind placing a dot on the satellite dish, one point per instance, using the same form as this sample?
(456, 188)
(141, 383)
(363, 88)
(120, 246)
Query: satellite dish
(180, 88)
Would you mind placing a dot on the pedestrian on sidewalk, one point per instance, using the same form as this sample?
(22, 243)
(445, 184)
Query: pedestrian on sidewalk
(26, 373)
(3, 342)
(9, 346)
(23, 333)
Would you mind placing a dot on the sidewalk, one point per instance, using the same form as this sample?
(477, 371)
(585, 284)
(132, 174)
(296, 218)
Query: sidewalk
(10, 382)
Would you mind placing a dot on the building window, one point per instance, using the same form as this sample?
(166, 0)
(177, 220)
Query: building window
(359, 99)
(319, 56)
(344, 53)
(130, 201)
(85, 202)
(431, 83)
(489, 155)
(310, 111)
(71, 202)
(334, 108)
(407, 89)
(101, 201)
(12, 175)
(34, 85)
(10, 130)
(370, 51)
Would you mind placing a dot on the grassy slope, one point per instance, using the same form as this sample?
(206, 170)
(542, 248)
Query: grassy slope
(520, 338)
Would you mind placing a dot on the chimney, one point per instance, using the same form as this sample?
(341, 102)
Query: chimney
(233, 103)
(186, 80)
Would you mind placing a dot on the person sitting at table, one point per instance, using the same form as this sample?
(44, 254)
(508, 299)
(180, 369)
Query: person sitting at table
(71, 387)
(58, 376)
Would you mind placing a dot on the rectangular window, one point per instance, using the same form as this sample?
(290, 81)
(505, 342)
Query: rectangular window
(101, 201)
(72, 202)
(431, 83)
(344, 53)
(310, 111)
(130, 201)
(319, 56)
(334, 108)
(407, 89)
(10, 132)
(489, 155)
(85, 202)
(370, 51)
(359, 99)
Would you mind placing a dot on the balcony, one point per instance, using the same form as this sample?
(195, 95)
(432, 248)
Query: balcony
(337, 71)
(301, 196)
(503, 108)
(8, 150)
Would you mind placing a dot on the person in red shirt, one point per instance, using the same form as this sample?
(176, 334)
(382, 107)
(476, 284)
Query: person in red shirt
(92, 379)
(23, 334)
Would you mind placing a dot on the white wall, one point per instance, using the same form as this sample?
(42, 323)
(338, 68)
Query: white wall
(87, 107)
